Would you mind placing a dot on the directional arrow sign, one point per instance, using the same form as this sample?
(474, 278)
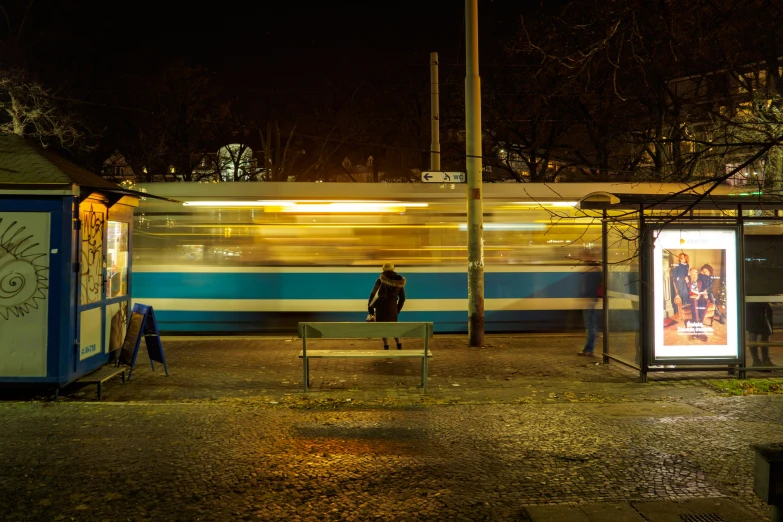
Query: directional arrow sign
(443, 177)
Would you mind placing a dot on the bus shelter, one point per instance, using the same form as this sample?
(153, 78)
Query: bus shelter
(65, 266)
(686, 276)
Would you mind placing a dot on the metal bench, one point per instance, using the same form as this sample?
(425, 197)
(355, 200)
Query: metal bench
(102, 375)
(364, 331)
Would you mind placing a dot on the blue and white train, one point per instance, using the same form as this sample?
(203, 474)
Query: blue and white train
(260, 257)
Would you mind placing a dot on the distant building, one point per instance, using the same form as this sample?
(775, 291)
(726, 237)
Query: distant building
(117, 169)
(235, 162)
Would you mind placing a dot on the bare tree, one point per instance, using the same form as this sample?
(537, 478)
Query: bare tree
(31, 110)
(339, 118)
(28, 107)
(526, 120)
(658, 92)
(278, 159)
(235, 162)
(167, 138)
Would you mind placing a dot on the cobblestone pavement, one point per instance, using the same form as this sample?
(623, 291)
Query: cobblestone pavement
(244, 460)
(527, 435)
(509, 369)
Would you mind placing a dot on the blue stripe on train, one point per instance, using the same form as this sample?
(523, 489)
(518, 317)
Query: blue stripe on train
(445, 322)
(213, 285)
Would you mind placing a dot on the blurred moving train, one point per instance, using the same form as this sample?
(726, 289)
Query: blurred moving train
(260, 257)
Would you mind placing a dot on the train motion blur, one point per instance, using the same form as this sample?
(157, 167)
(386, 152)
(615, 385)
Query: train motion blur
(260, 257)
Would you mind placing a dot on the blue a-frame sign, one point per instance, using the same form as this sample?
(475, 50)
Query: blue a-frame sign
(142, 324)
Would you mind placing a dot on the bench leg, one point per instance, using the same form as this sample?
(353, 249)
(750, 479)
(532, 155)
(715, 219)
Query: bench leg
(424, 360)
(305, 373)
(99, 390)
(123, 376)
(424, 372)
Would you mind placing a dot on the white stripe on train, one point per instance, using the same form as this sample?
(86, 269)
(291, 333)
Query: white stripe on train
(360, 305)
(358, 269)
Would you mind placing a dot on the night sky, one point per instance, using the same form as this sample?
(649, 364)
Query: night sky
(94, 44)
(268, 61)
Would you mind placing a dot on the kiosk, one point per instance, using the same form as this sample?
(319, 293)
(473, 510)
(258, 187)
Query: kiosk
(65, 256)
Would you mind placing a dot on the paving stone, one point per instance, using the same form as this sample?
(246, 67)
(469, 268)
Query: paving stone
(557, 514)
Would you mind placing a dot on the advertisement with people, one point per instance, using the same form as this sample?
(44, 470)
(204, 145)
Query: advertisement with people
(695, 293)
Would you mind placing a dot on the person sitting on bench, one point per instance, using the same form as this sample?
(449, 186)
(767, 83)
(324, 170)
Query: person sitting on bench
(387, 298)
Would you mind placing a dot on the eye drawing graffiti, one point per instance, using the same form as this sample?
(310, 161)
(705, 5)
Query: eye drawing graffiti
(23, 276)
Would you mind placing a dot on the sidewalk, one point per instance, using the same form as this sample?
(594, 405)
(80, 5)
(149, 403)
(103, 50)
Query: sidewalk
(523, 429)
(509, 369)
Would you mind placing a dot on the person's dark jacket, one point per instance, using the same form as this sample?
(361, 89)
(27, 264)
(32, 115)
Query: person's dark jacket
(592, 287)
(391, 297)
(758, 318)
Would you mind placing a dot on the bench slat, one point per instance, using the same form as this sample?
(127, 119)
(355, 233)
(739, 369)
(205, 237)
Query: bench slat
(102, 375)
(399, 354)
(363, 330)
(359, 330)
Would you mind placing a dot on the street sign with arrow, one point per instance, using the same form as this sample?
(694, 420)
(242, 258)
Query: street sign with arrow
(443, 177)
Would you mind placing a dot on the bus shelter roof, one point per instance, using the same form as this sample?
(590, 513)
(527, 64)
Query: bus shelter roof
(750, 200)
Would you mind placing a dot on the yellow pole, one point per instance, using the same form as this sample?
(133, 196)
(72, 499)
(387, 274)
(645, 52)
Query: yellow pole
(474, 181)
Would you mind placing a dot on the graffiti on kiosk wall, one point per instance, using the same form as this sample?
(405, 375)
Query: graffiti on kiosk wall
(23, 270)
(92, 255)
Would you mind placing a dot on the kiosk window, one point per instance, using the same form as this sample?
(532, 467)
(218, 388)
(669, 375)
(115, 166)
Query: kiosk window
(117, 259)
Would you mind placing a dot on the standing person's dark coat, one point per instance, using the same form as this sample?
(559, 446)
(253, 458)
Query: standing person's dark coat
(758, 318)
(391, 296)
(758, 322)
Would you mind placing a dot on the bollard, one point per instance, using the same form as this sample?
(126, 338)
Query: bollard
(768, 480)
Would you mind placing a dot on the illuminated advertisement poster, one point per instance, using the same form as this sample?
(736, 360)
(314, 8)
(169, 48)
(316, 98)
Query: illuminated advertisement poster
(695, 293)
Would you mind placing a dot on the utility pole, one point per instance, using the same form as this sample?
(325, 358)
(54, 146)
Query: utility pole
(434, 114)
(473, 163)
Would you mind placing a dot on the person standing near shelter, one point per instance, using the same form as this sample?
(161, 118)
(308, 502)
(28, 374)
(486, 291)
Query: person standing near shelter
(593, 290)
(758, 321)
(387, 298)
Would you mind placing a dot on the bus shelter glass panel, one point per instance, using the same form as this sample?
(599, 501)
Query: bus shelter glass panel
(764, 293)
(623, 291)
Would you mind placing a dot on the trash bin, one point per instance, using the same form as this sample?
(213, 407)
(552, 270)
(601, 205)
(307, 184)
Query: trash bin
(768, 480)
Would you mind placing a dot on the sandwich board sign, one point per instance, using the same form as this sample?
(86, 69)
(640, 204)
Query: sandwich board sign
(142, 324)
(444, 177)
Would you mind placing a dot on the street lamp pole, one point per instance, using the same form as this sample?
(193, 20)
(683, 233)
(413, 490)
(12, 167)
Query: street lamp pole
(474, 181)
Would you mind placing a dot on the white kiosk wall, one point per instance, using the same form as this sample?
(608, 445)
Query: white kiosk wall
(24, 293)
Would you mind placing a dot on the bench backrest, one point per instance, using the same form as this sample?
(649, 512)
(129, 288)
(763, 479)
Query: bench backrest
(364, 330)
